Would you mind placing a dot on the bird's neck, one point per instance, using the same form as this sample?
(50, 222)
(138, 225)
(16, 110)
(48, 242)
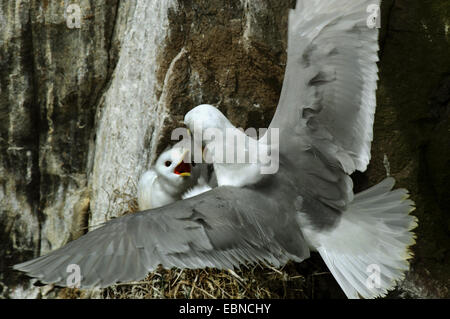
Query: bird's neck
(168, 188)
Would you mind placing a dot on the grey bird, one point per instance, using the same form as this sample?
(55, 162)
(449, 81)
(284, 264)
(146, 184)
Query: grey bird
(325, 119)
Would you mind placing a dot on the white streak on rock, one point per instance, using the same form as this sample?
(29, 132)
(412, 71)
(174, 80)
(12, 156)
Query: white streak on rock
(128, 116)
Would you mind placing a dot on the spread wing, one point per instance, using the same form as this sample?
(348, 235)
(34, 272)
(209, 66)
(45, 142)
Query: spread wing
(328, 97)
(221, 228)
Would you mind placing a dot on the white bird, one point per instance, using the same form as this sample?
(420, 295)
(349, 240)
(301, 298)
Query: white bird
(171, 176)
(241, 172)
(325, 121)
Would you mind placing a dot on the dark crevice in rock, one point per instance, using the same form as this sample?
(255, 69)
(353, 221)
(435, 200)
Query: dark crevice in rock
(388, 7)
(112, 60)
(21, 164)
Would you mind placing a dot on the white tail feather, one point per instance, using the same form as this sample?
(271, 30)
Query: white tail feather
(368, 251)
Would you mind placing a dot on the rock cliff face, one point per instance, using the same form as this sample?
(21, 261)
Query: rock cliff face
(87, 104)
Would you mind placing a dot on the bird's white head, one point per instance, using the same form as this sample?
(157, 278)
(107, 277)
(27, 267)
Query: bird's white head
(175, 167)
(204, 117)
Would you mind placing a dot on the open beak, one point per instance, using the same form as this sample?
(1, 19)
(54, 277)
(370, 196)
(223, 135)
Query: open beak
(183, 168)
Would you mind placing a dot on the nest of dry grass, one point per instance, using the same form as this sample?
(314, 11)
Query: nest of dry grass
(254, 282)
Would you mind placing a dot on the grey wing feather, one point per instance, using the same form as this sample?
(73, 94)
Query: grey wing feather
(328, 98)
(327, 104)
(222, 228)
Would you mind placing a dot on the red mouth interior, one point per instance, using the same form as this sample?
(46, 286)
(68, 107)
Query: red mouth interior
(182, 168)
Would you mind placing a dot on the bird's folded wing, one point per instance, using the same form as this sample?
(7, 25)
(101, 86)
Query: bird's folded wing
(222, 228)
(328, 97)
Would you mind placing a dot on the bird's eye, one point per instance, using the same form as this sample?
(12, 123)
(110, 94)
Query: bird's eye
(168, 163)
